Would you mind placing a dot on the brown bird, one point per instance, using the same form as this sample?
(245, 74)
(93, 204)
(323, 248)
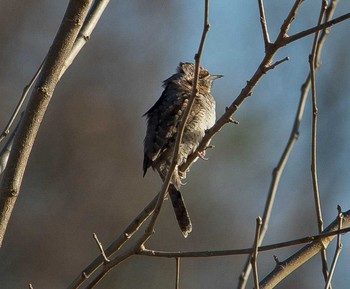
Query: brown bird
(163, 121)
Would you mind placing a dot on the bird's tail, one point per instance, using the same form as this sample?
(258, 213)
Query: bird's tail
(181, 213)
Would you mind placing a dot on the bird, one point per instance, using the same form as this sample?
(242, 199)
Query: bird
(163, 120)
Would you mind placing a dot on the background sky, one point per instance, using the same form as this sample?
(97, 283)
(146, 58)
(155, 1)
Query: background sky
(85, 171)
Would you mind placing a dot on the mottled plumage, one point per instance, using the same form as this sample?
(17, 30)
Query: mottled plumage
(162, 125)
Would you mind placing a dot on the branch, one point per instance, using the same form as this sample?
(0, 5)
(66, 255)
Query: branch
(264, 24)
(84, 35)
(254, 258)
(25, 93)
(328, 234)
(100, 247)
(6, 150)
(283, 269)
(177, 276)
(337, 251)
(293, 137)
(117, 244)
(38, 103)
(313, 30)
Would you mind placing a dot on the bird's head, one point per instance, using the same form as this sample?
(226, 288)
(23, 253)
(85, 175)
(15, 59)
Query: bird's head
(205, 79)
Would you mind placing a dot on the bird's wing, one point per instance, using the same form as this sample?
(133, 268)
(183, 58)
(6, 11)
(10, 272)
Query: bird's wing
(162, 124)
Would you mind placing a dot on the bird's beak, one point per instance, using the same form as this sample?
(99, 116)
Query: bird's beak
(213, 77)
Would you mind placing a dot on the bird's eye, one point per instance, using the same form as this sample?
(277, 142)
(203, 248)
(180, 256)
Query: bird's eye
(204, 73)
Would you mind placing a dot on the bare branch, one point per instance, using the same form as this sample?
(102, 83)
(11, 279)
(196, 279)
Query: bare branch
(312, 62)
(83, 36)
(338, 250)
(26, 90)
(254, 259)
(264, 24)
(117, 244)
(278, 62)
(313, 30)
(99, 244)
(299, 258)
(177, 278)
(325, 237)
(38, 103)
(288, 21)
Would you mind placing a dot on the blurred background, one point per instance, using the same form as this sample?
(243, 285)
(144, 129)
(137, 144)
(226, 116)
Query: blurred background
(85, 170)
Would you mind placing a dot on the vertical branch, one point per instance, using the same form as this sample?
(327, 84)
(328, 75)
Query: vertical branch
(38, 103)
(264, 24)
(254, 258)
(313, 65)
(338, 250)
(177, 276)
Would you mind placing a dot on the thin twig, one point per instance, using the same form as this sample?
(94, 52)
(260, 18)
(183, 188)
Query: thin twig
(30, 286)
(25, 93)
(107, 267)
(177, 277)
(328, 234)
(117, 244)
(254, 259)
(337, 251)
(278, 62)
(99, 244)
(313, 65)
(263, 23)
(6, 150)
(89, 25)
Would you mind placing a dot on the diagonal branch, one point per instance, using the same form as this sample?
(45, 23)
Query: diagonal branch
(38, 103)
(285, 268)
